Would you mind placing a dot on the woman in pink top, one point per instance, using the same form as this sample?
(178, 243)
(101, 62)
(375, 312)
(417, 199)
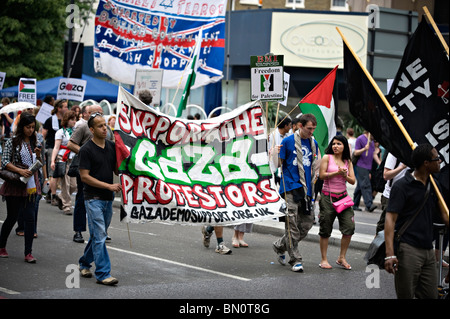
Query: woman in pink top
(336, 170)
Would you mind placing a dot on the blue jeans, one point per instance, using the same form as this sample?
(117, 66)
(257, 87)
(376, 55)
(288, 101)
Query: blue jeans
(363, 187)
(99, 213)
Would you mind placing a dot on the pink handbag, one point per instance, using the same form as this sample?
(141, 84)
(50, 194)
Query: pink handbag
(343, 204)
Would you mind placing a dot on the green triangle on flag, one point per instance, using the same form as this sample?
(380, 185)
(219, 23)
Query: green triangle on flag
(320, 103)
(194, 64)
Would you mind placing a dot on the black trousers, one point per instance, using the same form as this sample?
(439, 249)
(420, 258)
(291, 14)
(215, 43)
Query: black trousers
(14, 206)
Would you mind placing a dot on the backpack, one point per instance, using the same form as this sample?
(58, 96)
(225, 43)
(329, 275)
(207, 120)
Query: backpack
(377, 180)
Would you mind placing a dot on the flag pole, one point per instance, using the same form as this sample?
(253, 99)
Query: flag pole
(182, 74)
(438, 33)
(396, 119)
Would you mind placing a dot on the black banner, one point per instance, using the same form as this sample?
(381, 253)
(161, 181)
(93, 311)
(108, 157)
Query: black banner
(367, 106)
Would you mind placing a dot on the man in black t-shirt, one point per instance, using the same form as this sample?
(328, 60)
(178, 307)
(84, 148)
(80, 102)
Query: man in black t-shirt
(414, 265)
(97, 164)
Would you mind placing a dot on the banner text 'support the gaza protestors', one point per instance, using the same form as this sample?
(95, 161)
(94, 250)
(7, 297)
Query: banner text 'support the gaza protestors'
(194, 172)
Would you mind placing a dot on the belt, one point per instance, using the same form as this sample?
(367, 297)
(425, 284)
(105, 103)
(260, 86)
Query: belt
(334, 194)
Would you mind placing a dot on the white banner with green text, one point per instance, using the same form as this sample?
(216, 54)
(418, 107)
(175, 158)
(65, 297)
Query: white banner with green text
(214, 171)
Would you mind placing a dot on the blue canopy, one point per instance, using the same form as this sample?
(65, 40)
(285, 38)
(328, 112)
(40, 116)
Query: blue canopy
(96, 89)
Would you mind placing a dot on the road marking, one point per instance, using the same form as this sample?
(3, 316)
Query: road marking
(180, 264)
(9, 292)
(362, 223)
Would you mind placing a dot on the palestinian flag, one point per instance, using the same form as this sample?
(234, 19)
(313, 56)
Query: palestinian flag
(320, 103)
(194, 64)
(27, 86)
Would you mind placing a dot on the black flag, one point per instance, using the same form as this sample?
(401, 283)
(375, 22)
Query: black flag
(420, 94)
(367, 106)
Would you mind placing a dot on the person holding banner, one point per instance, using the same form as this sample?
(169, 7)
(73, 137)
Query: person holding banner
(97, 165)
(412, 200)
(300, 158)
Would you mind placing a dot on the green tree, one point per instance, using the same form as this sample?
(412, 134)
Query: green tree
(32, 35)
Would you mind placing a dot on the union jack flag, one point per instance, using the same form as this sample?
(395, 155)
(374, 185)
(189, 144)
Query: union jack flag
(159, 34)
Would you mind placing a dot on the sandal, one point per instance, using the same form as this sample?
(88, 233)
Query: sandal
(243, 243)
(325, 266)
(344, 264)
(235, 242)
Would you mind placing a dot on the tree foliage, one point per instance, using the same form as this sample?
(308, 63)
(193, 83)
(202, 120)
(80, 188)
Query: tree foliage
(32, 35)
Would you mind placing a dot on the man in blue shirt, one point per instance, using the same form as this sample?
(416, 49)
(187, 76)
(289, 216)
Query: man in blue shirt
(300, 161)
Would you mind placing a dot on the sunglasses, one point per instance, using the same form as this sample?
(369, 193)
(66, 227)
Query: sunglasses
(435, 159)
(96, 114)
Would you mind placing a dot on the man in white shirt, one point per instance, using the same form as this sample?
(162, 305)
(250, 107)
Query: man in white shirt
(275, 139)
(393, 171)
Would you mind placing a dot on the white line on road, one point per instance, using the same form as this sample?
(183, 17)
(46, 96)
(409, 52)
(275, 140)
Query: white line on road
(180, 264)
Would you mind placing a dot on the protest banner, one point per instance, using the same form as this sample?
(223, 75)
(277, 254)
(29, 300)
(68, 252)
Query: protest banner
(375, 113)
(149, 80)
(71, 89)
(27, 91)
(45, 111)
(131, 35)
(2, 79)
(214, 171)
(267, 77)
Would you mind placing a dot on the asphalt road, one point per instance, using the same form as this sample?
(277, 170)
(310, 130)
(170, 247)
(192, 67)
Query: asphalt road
(163, 261)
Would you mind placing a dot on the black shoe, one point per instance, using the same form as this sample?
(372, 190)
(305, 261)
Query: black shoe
(108, 239)
(78, 238)
(372, 208)
(357, 208)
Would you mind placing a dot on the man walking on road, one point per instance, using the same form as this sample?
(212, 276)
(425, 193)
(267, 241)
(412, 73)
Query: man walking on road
(97, 164)
(413, 262)
(300, 160)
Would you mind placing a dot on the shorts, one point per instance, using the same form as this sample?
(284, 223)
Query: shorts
(328, 214)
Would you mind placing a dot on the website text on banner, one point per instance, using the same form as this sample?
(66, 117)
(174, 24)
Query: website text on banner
(194, 172)
(131, 35)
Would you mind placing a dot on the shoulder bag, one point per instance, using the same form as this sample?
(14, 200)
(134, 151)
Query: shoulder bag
(73, 168)
(377, 249)
(13, 177)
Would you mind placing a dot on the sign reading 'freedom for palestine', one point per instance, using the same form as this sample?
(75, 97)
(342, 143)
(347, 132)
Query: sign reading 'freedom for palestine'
(267, 77)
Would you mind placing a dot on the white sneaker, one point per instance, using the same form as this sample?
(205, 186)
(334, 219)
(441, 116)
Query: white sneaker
(281, 258)
(298, 267)
(222, 249)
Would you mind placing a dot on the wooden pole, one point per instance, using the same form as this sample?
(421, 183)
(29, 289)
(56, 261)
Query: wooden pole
(396, 119)
(276, 115)
(368, 142)
(438, 33)
(287, 115)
